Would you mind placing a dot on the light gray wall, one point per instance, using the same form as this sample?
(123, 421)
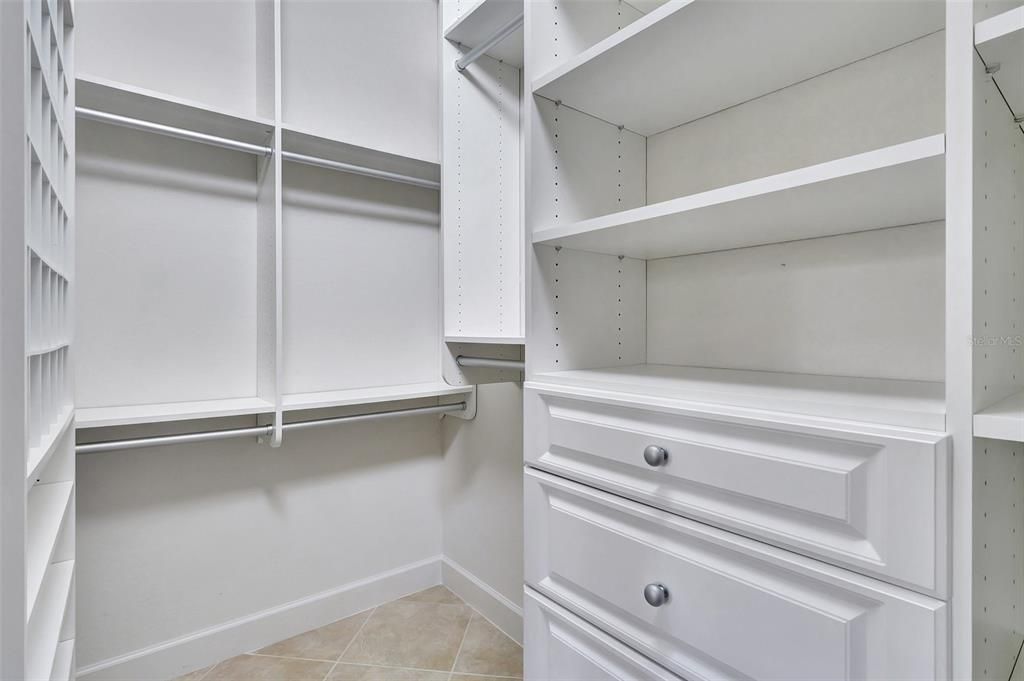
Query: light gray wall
(174, 540)
(483, 490)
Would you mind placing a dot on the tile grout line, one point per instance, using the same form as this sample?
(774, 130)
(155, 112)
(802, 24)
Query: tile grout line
(353, 640)
(455, 660)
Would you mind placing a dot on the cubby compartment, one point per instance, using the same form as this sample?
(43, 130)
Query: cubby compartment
(326, 53)
(216, 54)
(170, 279)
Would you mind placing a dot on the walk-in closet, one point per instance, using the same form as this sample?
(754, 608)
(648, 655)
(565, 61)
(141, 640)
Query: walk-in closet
(483, 340)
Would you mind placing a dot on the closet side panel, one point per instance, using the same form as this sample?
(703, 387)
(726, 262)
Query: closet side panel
(564, 28)
(481, 216)
(13, 401)
(998, 361)
(588, 310)
(998, 245)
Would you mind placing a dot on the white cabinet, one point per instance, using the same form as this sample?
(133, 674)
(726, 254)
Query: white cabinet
(564, 647)
(734, 608)
(869, 498)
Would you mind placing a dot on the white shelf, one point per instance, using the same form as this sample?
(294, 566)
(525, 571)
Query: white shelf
(47, 507)
(1004, 420)
(39, 455)
(122, 99)
(486, 340)
(47, 619)
(97, 417)
(911, 404)
(356, 396)
(898, 185)
(1000, 40)
(63, 661)
(690, 58)
(481, 22)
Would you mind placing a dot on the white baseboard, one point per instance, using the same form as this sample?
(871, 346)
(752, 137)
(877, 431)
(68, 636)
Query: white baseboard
(202, 648)
(501, 612)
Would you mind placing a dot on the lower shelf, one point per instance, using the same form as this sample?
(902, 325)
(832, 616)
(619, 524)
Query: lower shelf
(1004, 420)
(354, 396)
(97, 417)
(909, 404)
(64, 661)
(47, 621)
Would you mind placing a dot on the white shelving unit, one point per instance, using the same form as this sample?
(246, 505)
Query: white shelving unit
(737, 216)
(40, 282)
(232, 308)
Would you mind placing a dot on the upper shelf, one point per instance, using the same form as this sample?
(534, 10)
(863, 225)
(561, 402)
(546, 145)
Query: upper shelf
(481, 22)
(1000, 40)
(898, 185)
(134, 102)
(691, 58)
(910, 404)
(1004, 420)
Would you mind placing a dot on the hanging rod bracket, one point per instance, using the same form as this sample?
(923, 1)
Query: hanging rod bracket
(469, 412)
(505, 31)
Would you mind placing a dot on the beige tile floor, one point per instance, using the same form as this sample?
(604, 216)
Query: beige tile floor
(428, 636)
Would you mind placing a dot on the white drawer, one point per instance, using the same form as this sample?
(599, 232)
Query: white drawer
(559, 646)
(870, 498)
(736, 608)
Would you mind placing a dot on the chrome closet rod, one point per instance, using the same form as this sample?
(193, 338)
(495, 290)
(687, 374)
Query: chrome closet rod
(259, 431)
(499, 35)
(171, 131)
(487, 362)
(359, 170)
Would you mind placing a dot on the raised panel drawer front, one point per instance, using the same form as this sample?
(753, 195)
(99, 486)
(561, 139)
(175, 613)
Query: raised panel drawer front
(559, 646)
(871, 498)
(733, 607)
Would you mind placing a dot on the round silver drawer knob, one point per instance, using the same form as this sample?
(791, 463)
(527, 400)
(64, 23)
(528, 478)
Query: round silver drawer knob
(656, 595)
(655, 455)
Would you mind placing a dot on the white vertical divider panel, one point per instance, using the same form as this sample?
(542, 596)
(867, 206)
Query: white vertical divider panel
(13, 375)
(998, 371)
(482, 229)
(563, 29)
(586, 310)
(269, 314)
(959, 55)
(482, 233)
